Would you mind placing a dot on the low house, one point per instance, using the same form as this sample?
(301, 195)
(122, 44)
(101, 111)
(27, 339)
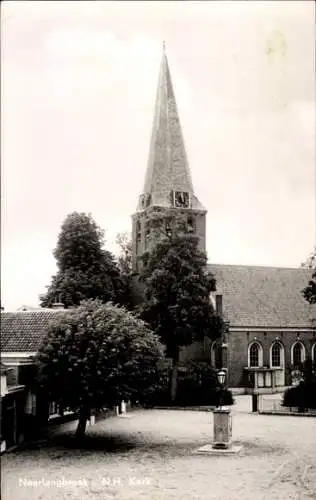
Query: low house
(22, 410)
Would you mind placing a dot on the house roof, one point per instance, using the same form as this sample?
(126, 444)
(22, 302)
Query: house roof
(264, 296)
(23, 331)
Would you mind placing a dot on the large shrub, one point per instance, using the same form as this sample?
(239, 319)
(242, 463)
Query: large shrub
(94, 356)
(197, 386)
(303, 396)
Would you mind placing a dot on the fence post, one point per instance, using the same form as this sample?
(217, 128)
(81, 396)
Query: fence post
(254, 402)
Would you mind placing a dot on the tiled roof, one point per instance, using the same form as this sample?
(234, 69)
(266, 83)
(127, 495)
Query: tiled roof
(264, 296)
(24, 331)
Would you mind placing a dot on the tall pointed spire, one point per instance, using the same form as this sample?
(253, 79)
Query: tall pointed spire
(167, 169)
(168, 195)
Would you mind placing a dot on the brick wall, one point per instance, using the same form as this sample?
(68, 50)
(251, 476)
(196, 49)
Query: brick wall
(142, 219)
(238, 350)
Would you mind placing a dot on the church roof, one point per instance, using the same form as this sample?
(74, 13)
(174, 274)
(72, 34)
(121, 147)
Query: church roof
(168, 168)
(252, 297)
(264, 296)
(24, 331)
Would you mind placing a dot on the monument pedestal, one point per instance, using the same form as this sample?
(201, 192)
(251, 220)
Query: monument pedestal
(222, 436)
(222, 429)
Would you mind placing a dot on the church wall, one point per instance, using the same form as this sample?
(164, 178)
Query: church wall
(238, 350)
(237, 358)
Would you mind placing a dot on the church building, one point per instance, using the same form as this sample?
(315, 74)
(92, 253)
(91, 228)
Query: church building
(271, 329)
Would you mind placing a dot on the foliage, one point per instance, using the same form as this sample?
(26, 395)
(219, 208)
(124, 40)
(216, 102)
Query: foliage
(177, 293)
(303, 396)
(310, 291)
(310, 262)
(124, 263)
(124, 260)
(197, 386)
(96, 355)
(85, 269)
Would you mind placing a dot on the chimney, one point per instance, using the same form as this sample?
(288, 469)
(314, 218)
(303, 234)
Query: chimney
(219, 304)
(58, 305)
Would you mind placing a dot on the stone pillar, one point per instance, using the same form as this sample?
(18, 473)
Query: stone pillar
(225, 356)
(123, 407)
(222, 429)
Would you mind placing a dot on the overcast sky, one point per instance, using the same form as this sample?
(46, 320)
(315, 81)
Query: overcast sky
(78, 89)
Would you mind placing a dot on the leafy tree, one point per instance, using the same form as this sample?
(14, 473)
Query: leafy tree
(310, 262)
(303, 395)
(94, 356)
(177, 296)
(124, 263)
(309, 292)
(85, 269)
(124, 260)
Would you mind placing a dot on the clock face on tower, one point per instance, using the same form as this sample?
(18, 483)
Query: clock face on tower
(181, 199)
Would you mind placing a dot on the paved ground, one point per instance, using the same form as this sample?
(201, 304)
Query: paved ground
(149, 456)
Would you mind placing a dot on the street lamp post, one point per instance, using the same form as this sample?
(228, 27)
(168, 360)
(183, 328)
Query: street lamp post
(221, 377)
(222, 419)
(222, 422)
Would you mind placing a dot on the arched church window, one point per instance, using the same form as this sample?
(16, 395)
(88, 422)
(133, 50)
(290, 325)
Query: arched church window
(277, 357)
(213, 354)
(314, 352)
(298, 354)
(216, 355)
(254, 355)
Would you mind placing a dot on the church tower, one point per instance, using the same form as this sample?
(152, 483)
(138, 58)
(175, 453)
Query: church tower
(168, 189)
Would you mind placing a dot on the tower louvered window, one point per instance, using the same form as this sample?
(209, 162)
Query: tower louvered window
(138, 235)
(191, 225)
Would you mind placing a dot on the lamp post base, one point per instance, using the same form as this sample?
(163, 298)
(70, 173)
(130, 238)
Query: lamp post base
(209, 450)
(222, 429)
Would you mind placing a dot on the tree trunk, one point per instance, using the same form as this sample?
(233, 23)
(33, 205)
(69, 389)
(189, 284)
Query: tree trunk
(174, 375)
(82, 423)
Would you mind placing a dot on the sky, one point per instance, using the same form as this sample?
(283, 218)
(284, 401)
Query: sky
(78, 89)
